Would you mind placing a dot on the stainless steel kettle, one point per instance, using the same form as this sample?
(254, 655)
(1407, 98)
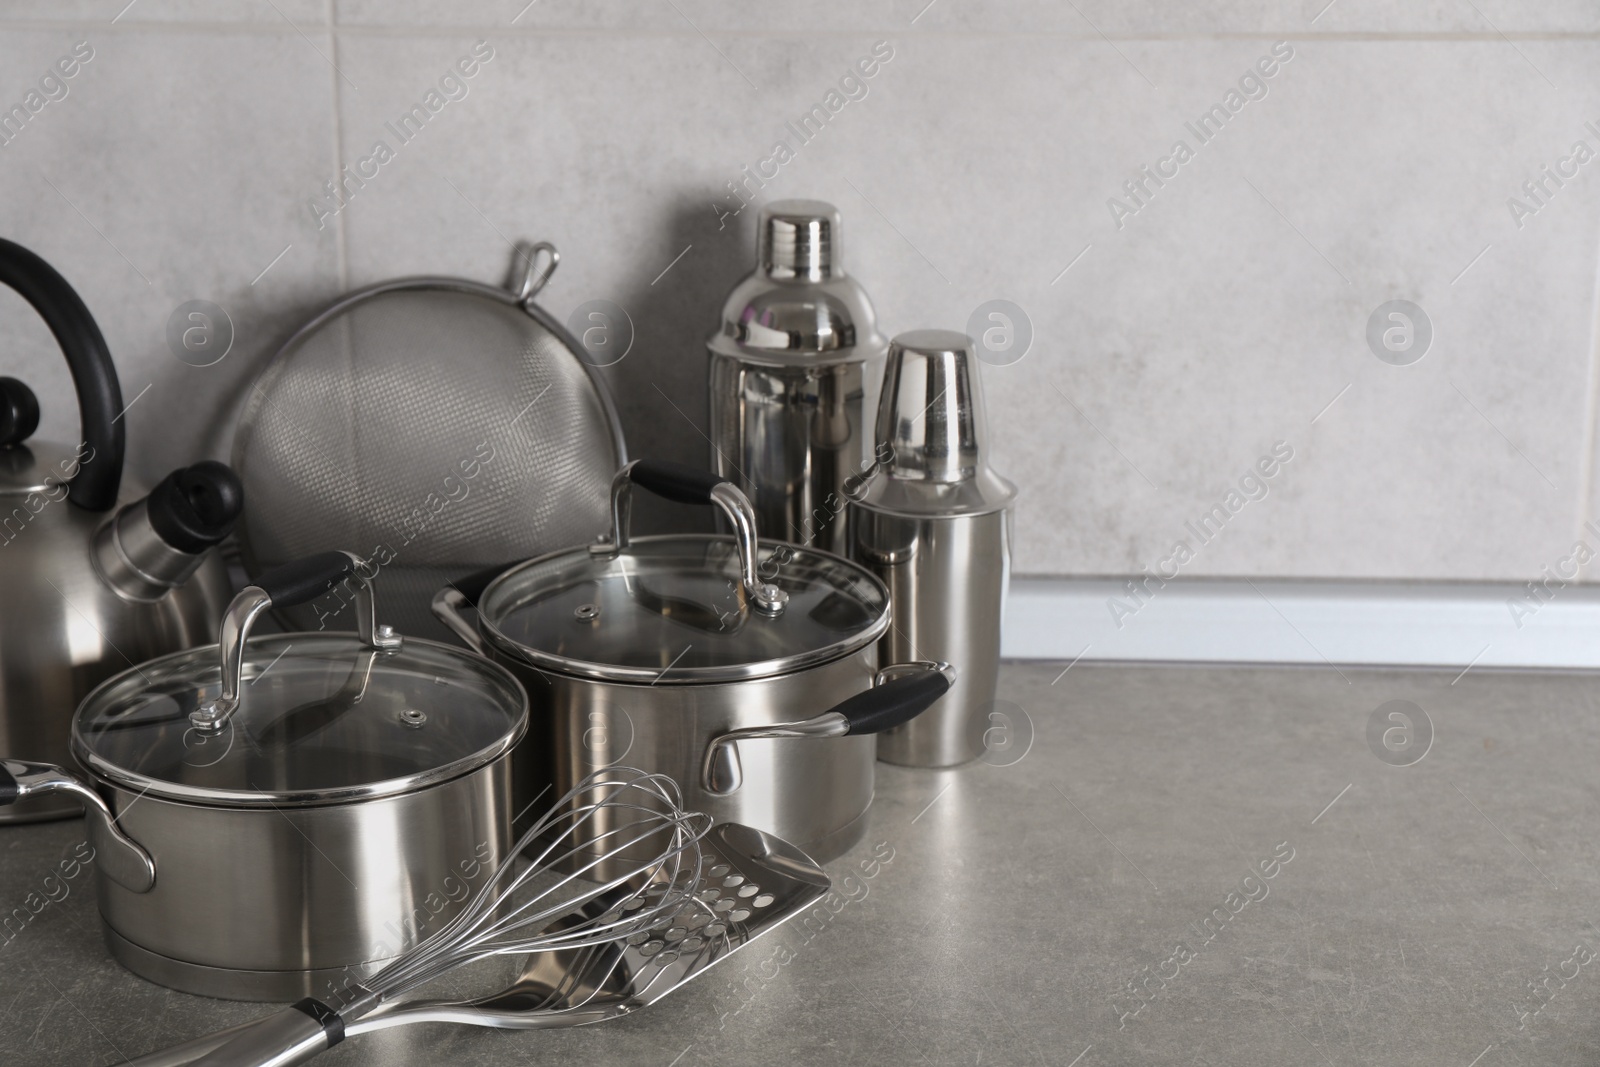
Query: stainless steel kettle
(90, 588)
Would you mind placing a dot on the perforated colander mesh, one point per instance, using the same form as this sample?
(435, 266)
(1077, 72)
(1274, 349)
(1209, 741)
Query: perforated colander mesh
(435, 430)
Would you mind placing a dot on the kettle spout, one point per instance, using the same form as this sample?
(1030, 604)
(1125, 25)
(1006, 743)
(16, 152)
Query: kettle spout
(152, 546)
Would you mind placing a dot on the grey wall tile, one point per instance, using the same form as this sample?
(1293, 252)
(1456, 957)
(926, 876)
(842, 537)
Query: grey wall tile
(167, 174)
(1223, 316)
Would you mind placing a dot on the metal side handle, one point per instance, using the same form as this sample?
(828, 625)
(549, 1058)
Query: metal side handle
(118, 855)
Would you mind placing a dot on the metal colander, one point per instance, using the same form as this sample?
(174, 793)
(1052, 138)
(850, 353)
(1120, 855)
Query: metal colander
(435, 425)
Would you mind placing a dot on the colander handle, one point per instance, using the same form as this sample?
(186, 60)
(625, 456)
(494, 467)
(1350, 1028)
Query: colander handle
(690, 485)
(99, 476)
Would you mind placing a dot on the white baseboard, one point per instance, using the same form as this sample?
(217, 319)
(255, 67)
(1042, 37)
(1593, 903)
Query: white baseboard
(1285, 621)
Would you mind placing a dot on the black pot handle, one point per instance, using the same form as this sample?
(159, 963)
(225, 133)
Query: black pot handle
(99, 394)
(892, 701)
(895, 701)
(305, 579)
(677, 482)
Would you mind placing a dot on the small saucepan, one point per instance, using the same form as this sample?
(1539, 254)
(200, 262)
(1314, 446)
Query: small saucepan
(745, 670)
(276, 815)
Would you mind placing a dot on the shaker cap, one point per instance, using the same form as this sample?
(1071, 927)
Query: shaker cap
(798, 239)
(798, 307)
(931, 424)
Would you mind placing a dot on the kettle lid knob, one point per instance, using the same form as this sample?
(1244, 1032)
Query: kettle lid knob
(19, 412)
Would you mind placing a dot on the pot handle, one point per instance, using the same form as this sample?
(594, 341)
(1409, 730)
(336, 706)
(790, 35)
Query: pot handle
(123, 860)
(285, 586)
(899, 694)
(450, 604)
(99, 476)
(690, 485)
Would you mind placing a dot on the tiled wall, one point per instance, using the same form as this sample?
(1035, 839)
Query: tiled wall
(1177, 339)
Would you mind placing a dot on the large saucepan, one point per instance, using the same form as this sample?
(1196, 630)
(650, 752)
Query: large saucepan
(746, 671)
(272, 814)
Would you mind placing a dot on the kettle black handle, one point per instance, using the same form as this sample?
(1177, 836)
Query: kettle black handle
(99, 394)
(678, 482)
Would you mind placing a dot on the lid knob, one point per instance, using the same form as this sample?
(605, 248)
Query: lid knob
(19, 412)
(931, 412)
(798, 239)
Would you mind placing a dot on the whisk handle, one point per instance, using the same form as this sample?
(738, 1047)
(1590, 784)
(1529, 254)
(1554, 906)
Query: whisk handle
(294, 1035)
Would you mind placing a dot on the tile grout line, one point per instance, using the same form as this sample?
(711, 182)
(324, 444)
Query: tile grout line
(431, 30)
(1591, 413)
(340, 232)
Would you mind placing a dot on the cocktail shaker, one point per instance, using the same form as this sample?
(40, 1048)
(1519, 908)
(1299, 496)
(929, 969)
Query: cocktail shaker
(934, 522)
(794, 375)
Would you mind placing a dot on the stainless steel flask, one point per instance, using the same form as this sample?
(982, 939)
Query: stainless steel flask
(794, 373)
(934, 523)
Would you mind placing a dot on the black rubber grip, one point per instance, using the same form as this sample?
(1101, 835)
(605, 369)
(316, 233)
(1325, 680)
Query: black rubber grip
(9, 790)
(473, 585)
(675, 481)
(195, 507)
(305, 579)
(332, 1022)
(19, 412)
(95, 376)
(894, 702)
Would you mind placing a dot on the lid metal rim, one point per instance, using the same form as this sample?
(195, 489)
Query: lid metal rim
(244, 800)
(123, 778)
(741, 672)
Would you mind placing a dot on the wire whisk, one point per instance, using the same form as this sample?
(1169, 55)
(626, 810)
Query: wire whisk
(613, 812)
(537, 900)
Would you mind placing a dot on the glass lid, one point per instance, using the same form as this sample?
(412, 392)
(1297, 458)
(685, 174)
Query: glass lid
(675, 609)
(320, 718)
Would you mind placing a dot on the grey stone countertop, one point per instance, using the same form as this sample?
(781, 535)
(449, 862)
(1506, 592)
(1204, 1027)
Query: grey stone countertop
(1188, 865)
